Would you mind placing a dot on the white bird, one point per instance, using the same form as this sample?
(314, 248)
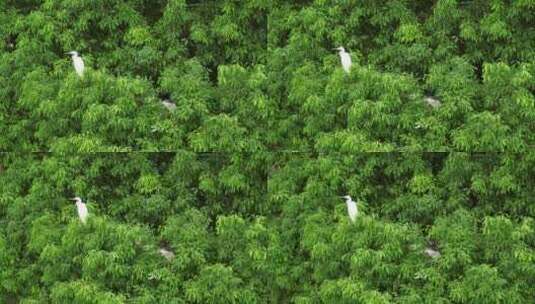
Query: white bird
(352, 209)
(345, 58)
(171, 106)
(432, 253)
(77, 62)
(82, 209)
(169, 255)
(434, 103)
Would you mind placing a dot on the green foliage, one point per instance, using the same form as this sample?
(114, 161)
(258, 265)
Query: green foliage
(242, 180)
(291, 241)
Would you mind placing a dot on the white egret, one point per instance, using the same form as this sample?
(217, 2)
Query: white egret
(345, 58)
(82, 209)
(431, 249)
(77, 62)
(434, 103)
(352, 209)
(171, 106)
(432, 252)
(169, 255)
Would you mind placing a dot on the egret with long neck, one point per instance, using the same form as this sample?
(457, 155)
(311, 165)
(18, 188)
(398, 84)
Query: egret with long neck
(352, 209)
(77, 62)
(82, 209)
(345, 58)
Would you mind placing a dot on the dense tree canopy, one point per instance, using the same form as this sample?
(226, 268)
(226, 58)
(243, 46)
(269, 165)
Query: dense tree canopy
(242, 180)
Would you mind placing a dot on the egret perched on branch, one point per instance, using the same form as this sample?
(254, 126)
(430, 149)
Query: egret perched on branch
(351, 208)
(77, 62)
(82, 209)
(169, 255)
(434, 103)
(345, 58)
(171, 106)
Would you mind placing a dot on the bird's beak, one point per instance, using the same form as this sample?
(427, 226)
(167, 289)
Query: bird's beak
(73, 199)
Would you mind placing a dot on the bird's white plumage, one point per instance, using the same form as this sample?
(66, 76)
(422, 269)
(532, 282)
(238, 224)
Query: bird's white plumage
(345, 58)
(171, 106)
(169, 255)
(78, 63)
(432, 253)
(82, 210)
(352, 209)
(433, 102)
